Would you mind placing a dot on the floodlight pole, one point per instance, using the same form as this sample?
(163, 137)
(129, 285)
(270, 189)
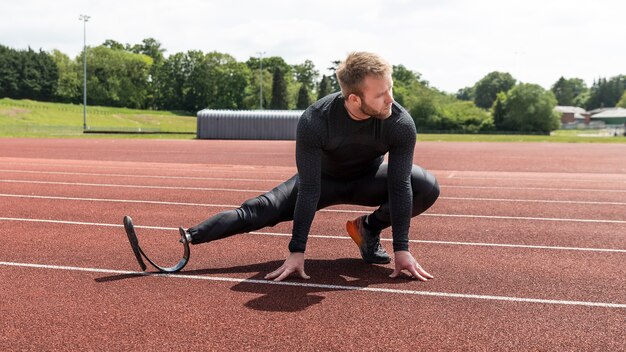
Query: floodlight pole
(261, 79)
(84, 18)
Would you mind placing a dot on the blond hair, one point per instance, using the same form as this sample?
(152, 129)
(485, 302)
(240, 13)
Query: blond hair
(358, 65)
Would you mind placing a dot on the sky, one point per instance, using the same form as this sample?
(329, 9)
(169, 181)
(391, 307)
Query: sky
(451, 43)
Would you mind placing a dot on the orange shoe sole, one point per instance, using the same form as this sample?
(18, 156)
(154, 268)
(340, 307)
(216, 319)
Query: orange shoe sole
(354, 233)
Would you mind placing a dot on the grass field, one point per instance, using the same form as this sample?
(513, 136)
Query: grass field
(27, 118)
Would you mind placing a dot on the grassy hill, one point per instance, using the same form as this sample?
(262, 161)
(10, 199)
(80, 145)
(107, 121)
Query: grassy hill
(27, 118)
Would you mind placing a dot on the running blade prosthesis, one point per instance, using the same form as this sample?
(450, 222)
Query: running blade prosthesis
(139, 254)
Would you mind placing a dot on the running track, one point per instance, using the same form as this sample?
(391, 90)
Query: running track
(527, 244)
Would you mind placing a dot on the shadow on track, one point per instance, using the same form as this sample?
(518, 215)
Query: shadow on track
(346, 272)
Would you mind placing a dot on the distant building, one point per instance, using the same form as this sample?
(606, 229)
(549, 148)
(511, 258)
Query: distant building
(615, 116)
(573, 115)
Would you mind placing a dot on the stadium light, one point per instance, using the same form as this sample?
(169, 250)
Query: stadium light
(261, 79)
(84, 18)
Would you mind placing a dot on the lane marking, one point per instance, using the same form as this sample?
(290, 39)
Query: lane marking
(207, 167)
(506, 175)
(541, 189)
(525, 218)
(479, 244)
(136, 186)
(327, 210)
(323, 286)
(534, 201)
(451, 175)
(142, 176)
(223, 205)
(263, 191)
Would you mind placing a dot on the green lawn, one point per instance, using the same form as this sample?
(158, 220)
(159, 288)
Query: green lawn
(561, 136)
(27, 118)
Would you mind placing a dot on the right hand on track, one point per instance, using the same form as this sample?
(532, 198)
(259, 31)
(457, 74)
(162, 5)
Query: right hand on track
(293, 264)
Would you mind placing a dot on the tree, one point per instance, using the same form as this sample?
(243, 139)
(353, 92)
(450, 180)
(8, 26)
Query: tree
(279, 91)
(304, 100)
(149, 47)
(622, 102)
(116, 77)
(334, 83)
(69, 86)
(324, 87)
(498, 111)
(306, 74)
(567, 91)
(526, 108)
(9, 75)
(26, 74)
(606, 93)
(466, 94)
(405, 76)
(169, 82)
(113, 44)
(227, 79)
(488, 87)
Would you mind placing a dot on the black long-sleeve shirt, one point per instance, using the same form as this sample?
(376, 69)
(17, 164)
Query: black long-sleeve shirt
(329, 142)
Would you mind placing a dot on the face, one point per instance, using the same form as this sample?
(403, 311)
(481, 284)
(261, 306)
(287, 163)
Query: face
(377, 96)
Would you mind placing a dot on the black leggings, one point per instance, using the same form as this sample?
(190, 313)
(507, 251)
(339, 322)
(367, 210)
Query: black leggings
(278, 204)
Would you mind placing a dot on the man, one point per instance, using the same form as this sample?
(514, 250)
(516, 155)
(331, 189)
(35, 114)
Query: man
(340, 146)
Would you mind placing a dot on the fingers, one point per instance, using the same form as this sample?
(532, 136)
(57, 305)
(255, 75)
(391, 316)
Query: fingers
(415, 274)
(424, 273)
(303, 274)
(283, 272)
(274, 274)
(415, 271)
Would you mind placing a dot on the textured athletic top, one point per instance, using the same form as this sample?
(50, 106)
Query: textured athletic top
(331, 143)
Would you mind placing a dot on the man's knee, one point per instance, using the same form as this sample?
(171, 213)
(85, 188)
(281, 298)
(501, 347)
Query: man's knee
(431, 198)
(257, 212)
(425, 191)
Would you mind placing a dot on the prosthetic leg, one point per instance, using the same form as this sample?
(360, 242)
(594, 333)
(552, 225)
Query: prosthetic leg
(139, 254)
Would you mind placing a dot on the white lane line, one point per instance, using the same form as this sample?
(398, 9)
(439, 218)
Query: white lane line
(136, 186)
(110, 200)
(234, 206)
(207, 167)
(541, 189)
(504, 245)
(142, 176)
(328, 210)
(533, 201)
(617, 178)
(323, 286)
(478, 244)
(514, 176)
(598, 221)
(263, 191)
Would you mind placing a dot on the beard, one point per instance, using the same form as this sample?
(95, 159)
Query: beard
(378, 114)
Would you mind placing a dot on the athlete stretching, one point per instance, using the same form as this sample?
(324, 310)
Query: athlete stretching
(340, 146)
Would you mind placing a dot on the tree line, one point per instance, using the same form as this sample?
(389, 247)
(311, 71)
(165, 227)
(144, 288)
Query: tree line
(603, 93)
(140, 76)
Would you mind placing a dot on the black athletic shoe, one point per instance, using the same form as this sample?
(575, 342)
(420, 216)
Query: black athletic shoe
(368, 242)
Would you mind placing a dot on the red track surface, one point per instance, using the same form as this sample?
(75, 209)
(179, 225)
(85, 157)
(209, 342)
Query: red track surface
(527, 244)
